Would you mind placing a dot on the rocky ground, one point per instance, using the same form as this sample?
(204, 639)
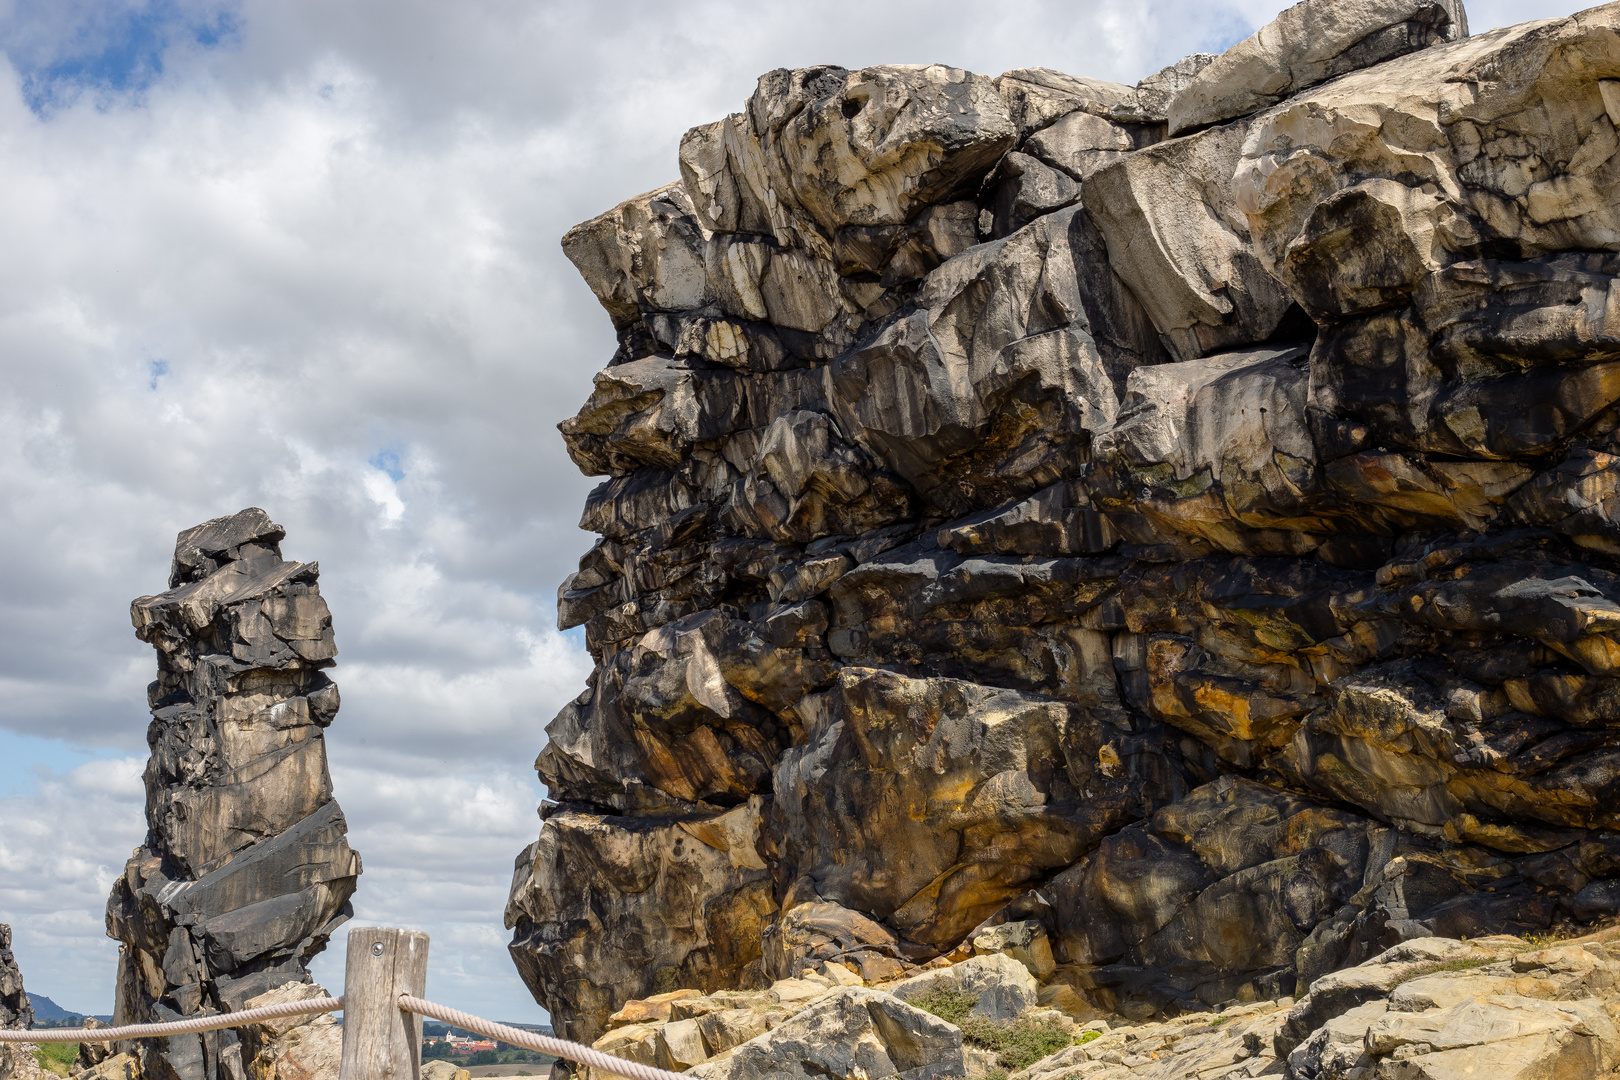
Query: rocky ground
(1501, 1007)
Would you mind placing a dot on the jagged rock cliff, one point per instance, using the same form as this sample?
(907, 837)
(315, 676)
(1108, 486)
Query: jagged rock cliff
(245, 871)
(1203, 551)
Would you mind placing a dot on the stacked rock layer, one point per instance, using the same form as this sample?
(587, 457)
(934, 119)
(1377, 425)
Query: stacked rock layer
(1205, 548)
(246, 870)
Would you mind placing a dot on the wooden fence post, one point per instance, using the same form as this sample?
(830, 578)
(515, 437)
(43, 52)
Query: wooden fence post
(380, 1041)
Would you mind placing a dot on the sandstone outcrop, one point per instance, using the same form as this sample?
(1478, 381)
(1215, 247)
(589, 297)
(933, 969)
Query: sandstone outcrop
(245, 871)
(1430, 1008)
(1186, 567)
(825, 1023)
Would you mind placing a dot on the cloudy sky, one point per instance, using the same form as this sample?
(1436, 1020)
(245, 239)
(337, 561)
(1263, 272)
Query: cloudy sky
(302, 254)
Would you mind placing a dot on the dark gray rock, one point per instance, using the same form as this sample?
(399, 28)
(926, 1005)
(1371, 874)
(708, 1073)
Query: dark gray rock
(245, 871)
(1203, 552)
(16, 1011)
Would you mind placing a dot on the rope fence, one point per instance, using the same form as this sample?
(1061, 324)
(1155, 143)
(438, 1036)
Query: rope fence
(375, 1043)
(530, 1040)
(212, 1022)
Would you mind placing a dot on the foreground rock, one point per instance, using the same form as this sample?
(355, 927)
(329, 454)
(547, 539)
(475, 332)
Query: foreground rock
(245, 871)
(1430, 1008)
(850, 1033)
(1185, 567)
(295, 1047)
(827, 1024)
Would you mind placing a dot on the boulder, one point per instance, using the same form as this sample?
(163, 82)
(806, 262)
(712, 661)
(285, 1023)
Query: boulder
(91, 1054)
(1310, 43)
(646, 254)
(1179, 236)
(823, 156)
(1024, 940)
(443, 1070)
(1316, 168)
(300, 1047)
(641, 869)
(111, 1067)
(852, 1032)
(1002, 986)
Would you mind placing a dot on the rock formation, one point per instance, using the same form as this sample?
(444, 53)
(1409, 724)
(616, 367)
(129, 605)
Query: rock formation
(245, 871)
(1199, 555)
(17, 1013)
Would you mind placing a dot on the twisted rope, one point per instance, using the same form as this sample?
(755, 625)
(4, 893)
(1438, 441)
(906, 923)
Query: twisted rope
(216, 1022)
(562, 1048)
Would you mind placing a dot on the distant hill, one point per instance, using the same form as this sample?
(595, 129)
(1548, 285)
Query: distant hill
(49, 1012)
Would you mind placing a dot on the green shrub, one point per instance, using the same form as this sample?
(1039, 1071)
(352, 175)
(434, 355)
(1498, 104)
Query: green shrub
(1016, 1043)
(951, 1006)
(56, 1057)
(1087, 1036)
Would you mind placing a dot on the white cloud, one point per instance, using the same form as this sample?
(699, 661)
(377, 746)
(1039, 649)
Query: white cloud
(329, 239)
(60, 851)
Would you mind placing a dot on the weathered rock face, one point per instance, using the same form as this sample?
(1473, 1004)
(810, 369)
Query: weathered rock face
(1196, 556)
(1311, 42)
(245, 871)
(16, 1011)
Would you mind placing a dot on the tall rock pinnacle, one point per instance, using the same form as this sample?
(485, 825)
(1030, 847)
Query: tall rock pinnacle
(246, 870)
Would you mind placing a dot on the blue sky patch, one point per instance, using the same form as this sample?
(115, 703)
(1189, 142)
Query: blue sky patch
(157, 369)
(25, 760)
(388, 461)
(62, 48)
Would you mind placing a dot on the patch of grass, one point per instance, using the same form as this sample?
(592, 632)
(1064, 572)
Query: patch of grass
(951, 1006)
(1016, 1043)
(1440, 966)
(996, 1074)
(1219, 1020)
(56, 1057)
(1085, 1037)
